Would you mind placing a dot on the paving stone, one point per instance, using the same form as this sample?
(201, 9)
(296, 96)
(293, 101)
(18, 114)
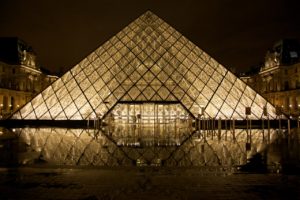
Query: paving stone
(134, 183)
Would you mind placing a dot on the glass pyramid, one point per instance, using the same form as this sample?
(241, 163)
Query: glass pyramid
(147, 61)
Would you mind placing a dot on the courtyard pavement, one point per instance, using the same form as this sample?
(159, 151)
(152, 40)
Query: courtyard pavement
(143, 183)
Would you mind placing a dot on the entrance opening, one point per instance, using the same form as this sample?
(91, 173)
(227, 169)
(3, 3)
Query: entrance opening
(148, 123)
(148, 113)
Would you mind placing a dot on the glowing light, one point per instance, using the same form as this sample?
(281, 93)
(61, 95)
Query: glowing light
(142, 79)
(193, 151)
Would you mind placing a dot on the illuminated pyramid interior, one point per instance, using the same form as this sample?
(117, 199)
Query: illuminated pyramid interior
(147, 68)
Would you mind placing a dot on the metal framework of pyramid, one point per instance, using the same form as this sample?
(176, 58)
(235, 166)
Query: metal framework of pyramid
(147, 61)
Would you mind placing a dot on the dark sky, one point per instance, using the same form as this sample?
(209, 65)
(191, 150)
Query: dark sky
(236, 33)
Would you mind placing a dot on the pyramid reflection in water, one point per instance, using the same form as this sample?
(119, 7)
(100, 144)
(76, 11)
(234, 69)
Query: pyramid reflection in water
(85, 147)
(147, 61)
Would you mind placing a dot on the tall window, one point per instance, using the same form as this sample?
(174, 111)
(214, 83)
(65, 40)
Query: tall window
(287, 102)
(297, 83)
(5, 102)
(286, 85)
(12, 103)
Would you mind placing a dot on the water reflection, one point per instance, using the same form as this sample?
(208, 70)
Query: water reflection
(226, 150)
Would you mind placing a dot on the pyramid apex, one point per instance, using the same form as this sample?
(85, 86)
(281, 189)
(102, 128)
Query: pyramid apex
(149, 16)
(148, 12)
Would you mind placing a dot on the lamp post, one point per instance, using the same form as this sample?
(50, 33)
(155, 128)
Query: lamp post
(298, 117)
(1, 110)
(289, 122)
(10, 108)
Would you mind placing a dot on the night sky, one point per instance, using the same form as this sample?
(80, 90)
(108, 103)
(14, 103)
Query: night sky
(236, 33)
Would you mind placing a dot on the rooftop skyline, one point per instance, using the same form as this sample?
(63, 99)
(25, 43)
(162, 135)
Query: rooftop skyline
(237, 34)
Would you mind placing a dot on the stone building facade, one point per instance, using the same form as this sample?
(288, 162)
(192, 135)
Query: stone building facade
(21, 78)
(278, 80)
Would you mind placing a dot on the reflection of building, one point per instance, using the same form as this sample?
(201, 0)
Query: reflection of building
(149, 73)
(20, 76)
(279, 78)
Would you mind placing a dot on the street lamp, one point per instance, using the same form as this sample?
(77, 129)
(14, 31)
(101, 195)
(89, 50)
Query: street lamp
(10, 108)
(1, 110)
(298, 117)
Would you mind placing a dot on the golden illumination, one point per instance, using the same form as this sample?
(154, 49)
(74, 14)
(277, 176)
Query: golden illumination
(84, 147)
(147, 61)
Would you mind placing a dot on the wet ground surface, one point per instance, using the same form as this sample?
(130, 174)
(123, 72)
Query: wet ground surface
(51, 163)
(143, 183)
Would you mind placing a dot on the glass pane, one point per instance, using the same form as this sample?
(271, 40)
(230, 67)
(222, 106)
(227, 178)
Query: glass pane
(95, 101)
(134, 92)
(212, 84)
(203, 77)
(227, 110)
(55, 110)
(222, 92)
(148, 93)
(256, 110)
(61, 116)
(90, 92)
(86, 111)
(80, 101)
(66, 77)
(75, 92)
(231, 100)
(26, 110)
(217, 101)
(37, 101)
(70, 110)
(245, 101)
(193, 92)
(62, 92)
(211, 110)
(163, 92)
(39, 111)
(207, 92)
(98, 84)
(66, 101)
(51, 101)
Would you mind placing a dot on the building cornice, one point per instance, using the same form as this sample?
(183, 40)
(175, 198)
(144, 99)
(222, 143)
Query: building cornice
(269, 70)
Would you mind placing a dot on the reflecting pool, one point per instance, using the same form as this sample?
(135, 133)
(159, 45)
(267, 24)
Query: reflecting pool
(225, 150)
